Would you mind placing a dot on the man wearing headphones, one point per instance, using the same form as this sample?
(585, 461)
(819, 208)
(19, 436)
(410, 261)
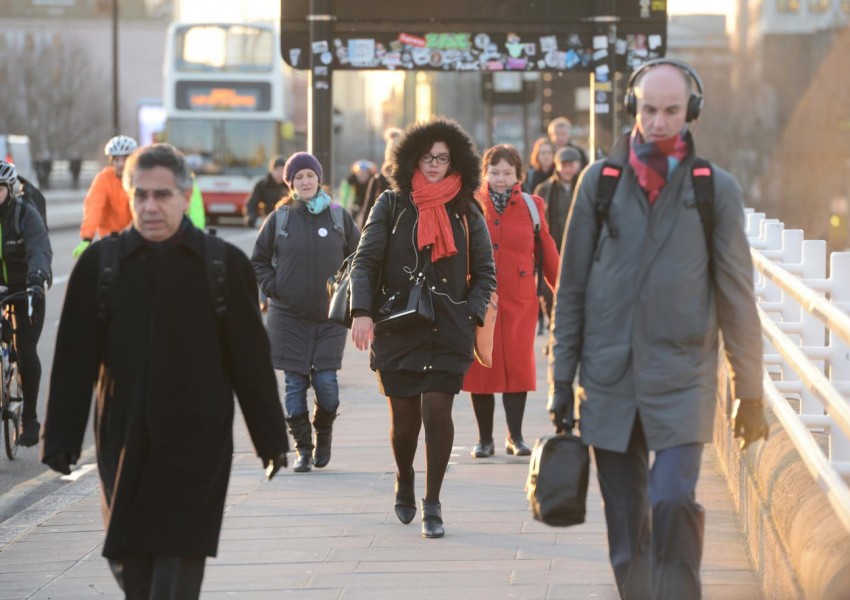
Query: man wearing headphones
(644, 290)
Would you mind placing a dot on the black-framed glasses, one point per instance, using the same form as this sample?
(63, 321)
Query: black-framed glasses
(442, 159)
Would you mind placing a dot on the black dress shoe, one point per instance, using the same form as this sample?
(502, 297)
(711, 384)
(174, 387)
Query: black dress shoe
(484, 449)
(432, 520)
(405, 499)
(517, 448)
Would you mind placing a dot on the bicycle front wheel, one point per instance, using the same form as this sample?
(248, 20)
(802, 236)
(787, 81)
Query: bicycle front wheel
(13, 406)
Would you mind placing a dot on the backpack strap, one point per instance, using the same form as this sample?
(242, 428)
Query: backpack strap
(19, 210)
(107, 275)
(281, 218)
(339, 221)
(609, 178)
(703, 181)
(214, 259)
(538, 245)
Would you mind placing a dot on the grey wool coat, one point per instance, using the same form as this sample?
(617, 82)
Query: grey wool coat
(640, 316)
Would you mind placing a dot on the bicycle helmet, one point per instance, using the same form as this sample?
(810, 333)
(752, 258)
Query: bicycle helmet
(120, 145)
(8, 174)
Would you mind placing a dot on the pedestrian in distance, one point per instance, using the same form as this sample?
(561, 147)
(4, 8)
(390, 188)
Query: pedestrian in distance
(560, 132)
(419, 229)
(541, 164)
(557, 194)
(518, 252)
(164, 336)
(301, 244)
(557, 191)
(26, 259)
(352, 192)
(379, 183)
(643, 293)
(106, 208)
(268, 191)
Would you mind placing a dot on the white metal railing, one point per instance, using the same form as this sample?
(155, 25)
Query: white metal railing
(806, 326)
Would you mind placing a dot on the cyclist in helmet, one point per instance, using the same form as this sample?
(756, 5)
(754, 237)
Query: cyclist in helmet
(25, 258)
(107, 207)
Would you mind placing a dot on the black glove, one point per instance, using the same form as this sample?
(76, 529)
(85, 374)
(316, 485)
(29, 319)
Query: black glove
(61, 462)
(273, 465)
(561, 405)
(748, 422)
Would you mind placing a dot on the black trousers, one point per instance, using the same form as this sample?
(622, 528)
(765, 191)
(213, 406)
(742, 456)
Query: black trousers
(146, 577)
(27, 333)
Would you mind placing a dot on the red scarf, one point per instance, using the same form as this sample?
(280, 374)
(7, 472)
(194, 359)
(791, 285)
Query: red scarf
(654, 162)
(434, 225)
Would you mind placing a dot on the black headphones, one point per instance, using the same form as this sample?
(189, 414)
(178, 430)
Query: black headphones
(695, 102)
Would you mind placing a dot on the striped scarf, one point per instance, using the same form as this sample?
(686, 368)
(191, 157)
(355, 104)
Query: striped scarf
(654, 162)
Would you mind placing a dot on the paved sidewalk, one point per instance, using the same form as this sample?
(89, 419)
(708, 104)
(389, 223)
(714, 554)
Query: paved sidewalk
(332, 533)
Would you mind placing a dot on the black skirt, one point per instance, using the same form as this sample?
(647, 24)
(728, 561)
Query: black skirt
(403, 384)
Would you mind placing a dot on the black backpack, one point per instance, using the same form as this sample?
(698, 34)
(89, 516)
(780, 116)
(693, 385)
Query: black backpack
(32, 196)
(702, 176)
(214, 259)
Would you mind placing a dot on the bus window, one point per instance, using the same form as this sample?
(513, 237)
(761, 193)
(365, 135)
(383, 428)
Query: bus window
(249, 145)
(212, 48)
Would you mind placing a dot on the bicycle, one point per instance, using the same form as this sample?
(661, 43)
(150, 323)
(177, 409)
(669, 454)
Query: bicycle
(11, 390)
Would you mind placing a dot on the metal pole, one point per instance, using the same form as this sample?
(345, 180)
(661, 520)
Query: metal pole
(319, 100)
(116, 110)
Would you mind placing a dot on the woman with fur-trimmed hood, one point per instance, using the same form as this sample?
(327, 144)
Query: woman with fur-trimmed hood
(435, 174)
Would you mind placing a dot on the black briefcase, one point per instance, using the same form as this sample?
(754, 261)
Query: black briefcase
(557, 479)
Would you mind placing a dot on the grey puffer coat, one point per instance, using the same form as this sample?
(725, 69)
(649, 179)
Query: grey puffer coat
(302, 337)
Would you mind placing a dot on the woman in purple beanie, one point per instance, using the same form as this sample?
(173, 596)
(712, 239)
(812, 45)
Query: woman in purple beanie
(300, 245)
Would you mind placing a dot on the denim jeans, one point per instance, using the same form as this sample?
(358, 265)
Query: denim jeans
(293, 387)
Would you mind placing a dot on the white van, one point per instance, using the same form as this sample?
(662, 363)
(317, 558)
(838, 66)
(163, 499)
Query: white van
(16, 149)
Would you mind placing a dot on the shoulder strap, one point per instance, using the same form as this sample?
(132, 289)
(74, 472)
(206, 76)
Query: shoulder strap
(703, 181)
(214, 258)
(281, 216)
(532, 209)
(107, 275)
(19, 209)
(609, 178)
(538, 245)
(339, 221)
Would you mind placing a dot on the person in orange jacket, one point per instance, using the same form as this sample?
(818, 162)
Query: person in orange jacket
(107, 208)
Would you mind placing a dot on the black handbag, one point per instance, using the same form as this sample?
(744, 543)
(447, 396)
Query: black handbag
(339, 294)
(403, 309)
(558, 474)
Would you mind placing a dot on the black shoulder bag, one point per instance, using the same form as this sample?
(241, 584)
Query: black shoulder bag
(404, 309)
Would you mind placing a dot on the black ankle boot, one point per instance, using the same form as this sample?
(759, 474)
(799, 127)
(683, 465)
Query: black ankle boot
(302, 433)
(323, 423)
(405, 498)
(432, 520)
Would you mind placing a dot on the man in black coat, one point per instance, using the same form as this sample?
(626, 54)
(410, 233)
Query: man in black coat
(267, 193)
(166, 367)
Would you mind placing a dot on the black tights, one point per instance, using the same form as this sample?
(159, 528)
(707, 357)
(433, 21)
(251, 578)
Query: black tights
(484, 405)
(407, 415)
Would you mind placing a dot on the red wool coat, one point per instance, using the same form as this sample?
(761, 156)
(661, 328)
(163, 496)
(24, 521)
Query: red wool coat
(512, 234)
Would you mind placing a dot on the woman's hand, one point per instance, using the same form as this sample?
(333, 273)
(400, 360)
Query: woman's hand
(362, 332)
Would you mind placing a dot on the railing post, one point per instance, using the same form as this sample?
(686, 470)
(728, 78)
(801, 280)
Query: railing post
(813, 332)
(839, 351)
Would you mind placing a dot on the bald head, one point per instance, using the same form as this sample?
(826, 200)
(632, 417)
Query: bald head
(662, 94)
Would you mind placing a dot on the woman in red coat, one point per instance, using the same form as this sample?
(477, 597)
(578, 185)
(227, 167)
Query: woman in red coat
(511, 227)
